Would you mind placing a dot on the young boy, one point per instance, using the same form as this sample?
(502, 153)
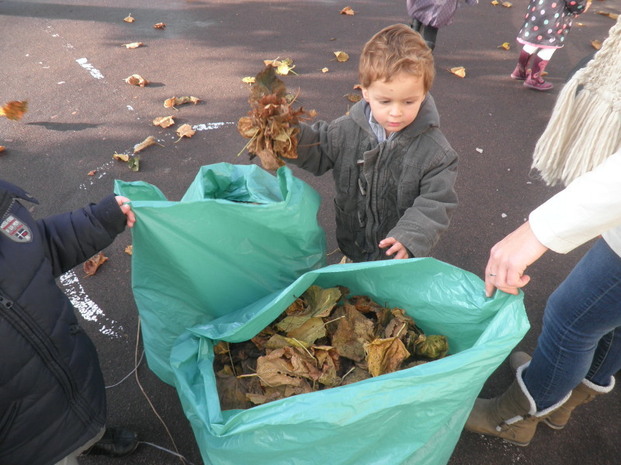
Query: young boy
(394, 170)
(52, 393)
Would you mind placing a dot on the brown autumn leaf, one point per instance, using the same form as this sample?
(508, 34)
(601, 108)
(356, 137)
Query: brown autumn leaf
(614, 16)
(137, 80)
(133, 45)
(91, 173)
(92, 264)
(129, 18)
(507, 4)
(14, 110)
(2, 148)
(385, 355)
(148, 142)
(596, 44)
(129, 250)
(185, 130)
(348, 11)
(272, 123)
(163, 121)
(352, 332)
(353, 97)
(176, 101)
(159, 26)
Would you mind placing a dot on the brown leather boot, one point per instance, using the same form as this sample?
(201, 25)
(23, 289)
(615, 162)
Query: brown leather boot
(519, 73)
(585, 392)
(512, 416)
(534, 79)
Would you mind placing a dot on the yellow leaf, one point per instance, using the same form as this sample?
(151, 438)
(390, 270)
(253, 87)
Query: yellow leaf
(341, 56)
(137, 80)
(249, 80)
(459, 71)
(348, 11)
(129, 250)
(133, 45)
(129, 19)
(505, 45)
(614, 16)
(121, 157)
(596, 44)
(495, 2)
(324, 70)
(163, 121)
(507, 4)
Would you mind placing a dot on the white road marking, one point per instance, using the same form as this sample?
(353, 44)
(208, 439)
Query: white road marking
(83, 62)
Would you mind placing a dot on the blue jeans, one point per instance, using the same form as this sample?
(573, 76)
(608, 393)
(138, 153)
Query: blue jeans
(581, 335)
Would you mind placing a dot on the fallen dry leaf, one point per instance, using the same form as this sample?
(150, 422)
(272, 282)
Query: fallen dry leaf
(507, 4)
(385, 355)
(129, 250)
(341, 56)
(92, 173)
(353, 97)
(459, 71)
(159, 26)
(248, 79)
(133, 45)
(596, 44)
(14, 110)
(348, 11)
(92, 264)
(185, 130)
(2, 148)
(324, 70)
(120, 157)
(129, 19)
(614, 16)
(505, 45)
(163, 121)
(148, 142)
(283, 67)
(495, 2)
(137, 80)
(175, 101)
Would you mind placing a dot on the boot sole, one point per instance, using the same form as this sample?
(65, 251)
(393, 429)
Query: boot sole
(540, 89)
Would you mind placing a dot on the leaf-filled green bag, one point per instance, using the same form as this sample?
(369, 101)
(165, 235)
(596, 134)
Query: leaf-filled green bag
(412, 416)
(238, 234)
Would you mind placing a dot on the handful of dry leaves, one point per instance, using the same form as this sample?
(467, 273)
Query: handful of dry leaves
(271, 124)
(324, 339)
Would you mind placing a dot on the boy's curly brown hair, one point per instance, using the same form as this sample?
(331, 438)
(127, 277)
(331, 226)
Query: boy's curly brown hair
(394, 49)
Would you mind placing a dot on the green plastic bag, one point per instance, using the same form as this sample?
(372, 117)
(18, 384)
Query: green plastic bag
(412, 416)
(239, 233)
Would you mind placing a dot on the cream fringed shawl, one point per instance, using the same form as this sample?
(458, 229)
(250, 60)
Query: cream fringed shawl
(585, 126)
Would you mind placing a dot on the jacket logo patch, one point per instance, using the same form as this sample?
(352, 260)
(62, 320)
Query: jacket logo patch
(15, 229)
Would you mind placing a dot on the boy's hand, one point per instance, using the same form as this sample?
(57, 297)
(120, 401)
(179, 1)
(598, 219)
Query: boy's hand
(396, 248)
(122, 201)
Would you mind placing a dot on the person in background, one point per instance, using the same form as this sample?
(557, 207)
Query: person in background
(579, 348)
(545, 28)
(429, 15)
(394, 170)
(52, 393)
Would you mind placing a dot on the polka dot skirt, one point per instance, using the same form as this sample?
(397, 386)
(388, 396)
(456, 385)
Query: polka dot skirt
(547, 22)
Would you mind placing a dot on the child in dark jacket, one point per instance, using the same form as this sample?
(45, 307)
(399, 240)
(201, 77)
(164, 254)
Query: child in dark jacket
(394, 170)
(52, 393)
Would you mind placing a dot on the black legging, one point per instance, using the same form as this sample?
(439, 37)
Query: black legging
(429, 33)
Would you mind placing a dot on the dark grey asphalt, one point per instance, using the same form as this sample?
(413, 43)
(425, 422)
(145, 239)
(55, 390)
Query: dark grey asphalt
(66, 58)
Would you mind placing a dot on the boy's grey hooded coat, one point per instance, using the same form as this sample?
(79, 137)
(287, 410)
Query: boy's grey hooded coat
(401, 188)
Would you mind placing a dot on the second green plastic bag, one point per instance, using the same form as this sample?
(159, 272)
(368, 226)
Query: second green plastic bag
(239, 233)
(413, 416)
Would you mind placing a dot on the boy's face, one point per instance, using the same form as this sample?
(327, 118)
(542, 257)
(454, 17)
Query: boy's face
(395, 104)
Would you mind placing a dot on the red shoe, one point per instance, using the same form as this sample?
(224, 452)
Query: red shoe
(519, 73)
(534, 79)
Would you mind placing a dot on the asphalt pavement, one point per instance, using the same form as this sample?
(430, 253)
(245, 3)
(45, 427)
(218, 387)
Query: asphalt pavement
(68, 60)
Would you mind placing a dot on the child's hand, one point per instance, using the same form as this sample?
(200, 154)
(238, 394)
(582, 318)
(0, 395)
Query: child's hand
(396, 248)
(131, 218)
